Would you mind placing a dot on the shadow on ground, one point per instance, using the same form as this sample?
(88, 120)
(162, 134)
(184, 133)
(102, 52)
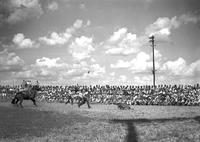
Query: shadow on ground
(132, 135)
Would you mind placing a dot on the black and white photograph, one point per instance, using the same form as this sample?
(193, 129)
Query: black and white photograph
(99, 71)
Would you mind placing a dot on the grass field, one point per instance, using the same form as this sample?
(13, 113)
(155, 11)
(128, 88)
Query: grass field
(102, 123)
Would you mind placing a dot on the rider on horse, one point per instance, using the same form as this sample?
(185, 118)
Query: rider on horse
(25, 86)
(69, 97)
(27, 92)
(84, 97)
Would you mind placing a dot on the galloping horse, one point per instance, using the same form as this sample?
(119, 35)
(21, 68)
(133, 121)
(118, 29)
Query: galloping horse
(80, 97)
(26, 95)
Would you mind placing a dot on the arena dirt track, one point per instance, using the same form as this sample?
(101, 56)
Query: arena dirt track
(16, 122)
(59, 122)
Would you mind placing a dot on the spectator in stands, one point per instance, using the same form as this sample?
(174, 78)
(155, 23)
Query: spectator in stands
(133, 95)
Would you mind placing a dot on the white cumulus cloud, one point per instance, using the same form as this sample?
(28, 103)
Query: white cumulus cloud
(123, 43)
(81, 48)
(163, 26)
(21, 42)
(121, 64)
(20, 10)
(51, 70)
(56, 39)
(9, 61)
(53, 6)
(141, 63)
(118, 35)
(50, 63)
(77, 24)
(63, 37)
(177, 67)
(43, 69)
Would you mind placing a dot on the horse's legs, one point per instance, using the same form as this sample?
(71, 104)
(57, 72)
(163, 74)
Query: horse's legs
(88, 103)
(34, 102)
(82, 102)
(16, 100)
(67, 101)
(13, 101)
(20, 103)
(72, 101)
(79, 101)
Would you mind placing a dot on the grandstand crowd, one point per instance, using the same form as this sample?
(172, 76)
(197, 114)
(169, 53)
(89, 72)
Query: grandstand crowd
(106, 94)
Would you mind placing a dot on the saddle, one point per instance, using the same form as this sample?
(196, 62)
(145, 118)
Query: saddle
(26, 92)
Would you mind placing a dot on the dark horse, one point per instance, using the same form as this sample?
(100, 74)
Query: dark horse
(26, 95)
(80, 100)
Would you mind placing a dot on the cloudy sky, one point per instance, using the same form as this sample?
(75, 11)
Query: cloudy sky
(99, 41)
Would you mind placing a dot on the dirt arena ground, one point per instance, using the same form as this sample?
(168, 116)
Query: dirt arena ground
(102, 123)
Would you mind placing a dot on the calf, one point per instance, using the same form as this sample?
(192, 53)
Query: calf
(123, 106)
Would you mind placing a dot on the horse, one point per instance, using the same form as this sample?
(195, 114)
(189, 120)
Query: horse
(83, 100)
(69, 99)
(26, 95)
(80, 98)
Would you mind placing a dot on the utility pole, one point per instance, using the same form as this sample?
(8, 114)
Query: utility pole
(151, 40)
